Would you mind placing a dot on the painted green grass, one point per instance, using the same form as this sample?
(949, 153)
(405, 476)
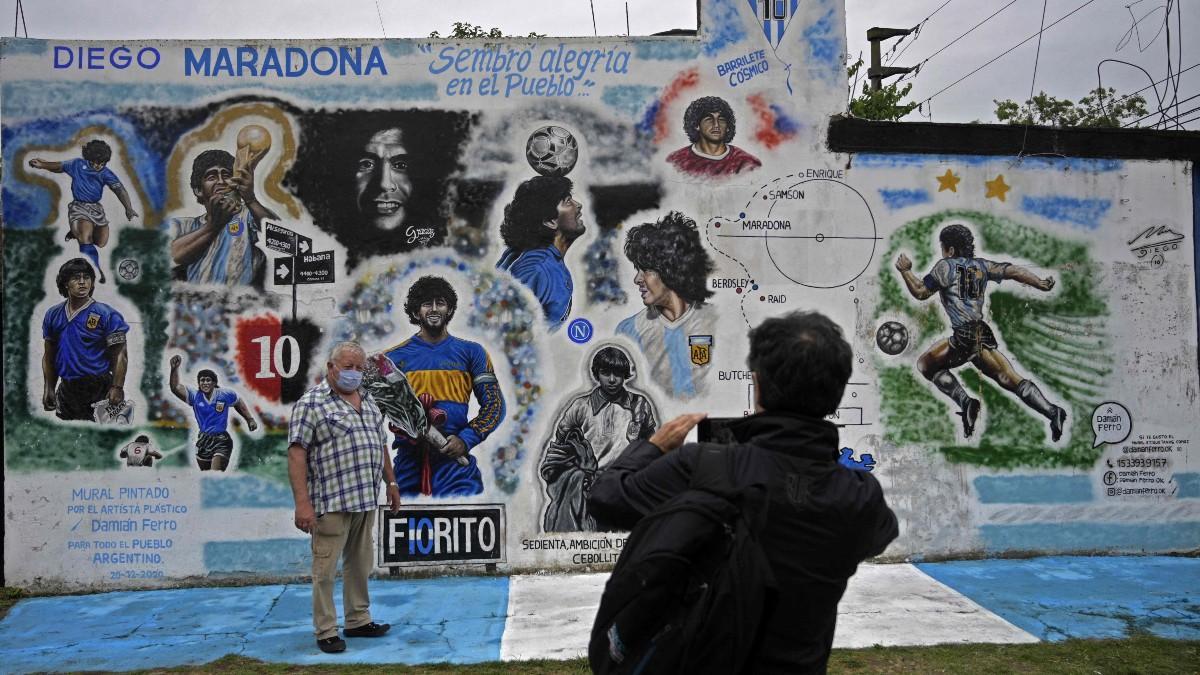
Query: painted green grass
(1058, 339)
(33, 443)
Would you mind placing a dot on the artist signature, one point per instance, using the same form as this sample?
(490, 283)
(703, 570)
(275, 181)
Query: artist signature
(1154, 241)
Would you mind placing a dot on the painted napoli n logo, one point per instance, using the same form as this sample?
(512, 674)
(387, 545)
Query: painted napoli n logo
(580, 331)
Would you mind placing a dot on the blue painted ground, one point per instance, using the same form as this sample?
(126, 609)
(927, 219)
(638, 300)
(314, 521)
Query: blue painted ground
(462, 619)
(1062, 597)
(453, 619)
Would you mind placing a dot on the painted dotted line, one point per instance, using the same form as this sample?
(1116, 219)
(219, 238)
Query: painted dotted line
(764, 187)
(742, 304)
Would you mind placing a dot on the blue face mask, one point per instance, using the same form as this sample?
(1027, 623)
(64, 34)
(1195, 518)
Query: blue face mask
(349, 380)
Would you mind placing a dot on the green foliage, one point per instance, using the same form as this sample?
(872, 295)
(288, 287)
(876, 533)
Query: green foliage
(1101, 107)
(150, 293)
(469, 31)
(885, 104)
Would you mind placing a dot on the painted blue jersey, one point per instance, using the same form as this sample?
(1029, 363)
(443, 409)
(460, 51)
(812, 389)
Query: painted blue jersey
(87, 184)
(961, 284)
(543, 271)
(82, 340)
(212, 415)
(449, 371)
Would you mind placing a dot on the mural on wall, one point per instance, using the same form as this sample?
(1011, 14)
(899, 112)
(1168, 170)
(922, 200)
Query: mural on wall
(446, 372)
(550, 247)
(588, 434)
(960, 280)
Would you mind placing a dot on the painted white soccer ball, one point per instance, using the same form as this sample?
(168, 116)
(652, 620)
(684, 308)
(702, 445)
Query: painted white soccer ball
(891, 337)
(552, 151)
(129, 269)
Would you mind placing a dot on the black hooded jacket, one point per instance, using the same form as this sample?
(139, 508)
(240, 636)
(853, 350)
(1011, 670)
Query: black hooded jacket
(822, 521)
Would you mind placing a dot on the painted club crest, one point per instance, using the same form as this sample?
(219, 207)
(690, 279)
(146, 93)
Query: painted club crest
(220, 406)
(775, 16)
(235, 227)
(701, 349)
(93, 320)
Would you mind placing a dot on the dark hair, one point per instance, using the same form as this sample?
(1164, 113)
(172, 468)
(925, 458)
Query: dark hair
(803, 363)
(612, 360)
(207, 373)
(535, 202)
(324, 174)
(71, 268)
(959, 237)
(707, 105)
(207, 160)
(142, 438)
(426, 289)
(97, 151)
(671, 247)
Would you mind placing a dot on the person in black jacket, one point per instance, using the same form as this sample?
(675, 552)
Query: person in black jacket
(823, 519)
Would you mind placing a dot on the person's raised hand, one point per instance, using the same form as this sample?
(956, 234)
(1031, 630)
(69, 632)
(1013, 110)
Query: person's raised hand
(672, 433)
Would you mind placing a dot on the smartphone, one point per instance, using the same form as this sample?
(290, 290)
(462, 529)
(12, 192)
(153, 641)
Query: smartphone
(716, 430)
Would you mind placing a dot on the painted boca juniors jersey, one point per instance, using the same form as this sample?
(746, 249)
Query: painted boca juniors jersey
(450, 371)
(212, 415)
(82, 339)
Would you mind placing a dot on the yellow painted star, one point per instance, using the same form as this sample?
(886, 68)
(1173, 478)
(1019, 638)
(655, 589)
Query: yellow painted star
(948, 181)
(997, 188)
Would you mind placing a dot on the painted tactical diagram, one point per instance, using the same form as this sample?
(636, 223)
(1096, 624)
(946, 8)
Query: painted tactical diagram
(546, 248)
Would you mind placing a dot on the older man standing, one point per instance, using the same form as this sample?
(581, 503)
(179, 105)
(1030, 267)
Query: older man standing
(337, 454)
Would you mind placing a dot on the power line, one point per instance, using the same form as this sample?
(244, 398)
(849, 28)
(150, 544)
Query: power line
(1189, 120)
(1033, 79)
(1010, 49)
(1100, 84)
(380, 13)
(1131, 94)
(1038, 54)
(1156, 112)
(916, 33)
(971, 30)
(19, 13)
(1176, 117)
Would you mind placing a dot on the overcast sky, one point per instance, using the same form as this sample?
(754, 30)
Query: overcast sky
(1067, 66)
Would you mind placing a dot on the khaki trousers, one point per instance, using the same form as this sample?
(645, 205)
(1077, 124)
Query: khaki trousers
(345, 535)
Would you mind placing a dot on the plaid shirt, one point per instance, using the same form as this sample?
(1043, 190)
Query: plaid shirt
(345, 449)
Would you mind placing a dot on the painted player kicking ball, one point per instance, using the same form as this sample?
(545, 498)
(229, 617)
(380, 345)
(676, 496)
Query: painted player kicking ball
(960, 279)
(211, 404)
(89, 176)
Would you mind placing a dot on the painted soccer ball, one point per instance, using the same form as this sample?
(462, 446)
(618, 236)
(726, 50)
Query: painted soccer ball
(129, 269)
(552, 151)
(891, 338)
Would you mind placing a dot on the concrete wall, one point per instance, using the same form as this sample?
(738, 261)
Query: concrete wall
(784, 223)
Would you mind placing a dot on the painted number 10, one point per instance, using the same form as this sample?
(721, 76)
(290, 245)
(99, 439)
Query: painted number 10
(774, 9)
(271, 361)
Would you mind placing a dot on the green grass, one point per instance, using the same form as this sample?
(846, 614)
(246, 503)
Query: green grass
(1138, 654)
